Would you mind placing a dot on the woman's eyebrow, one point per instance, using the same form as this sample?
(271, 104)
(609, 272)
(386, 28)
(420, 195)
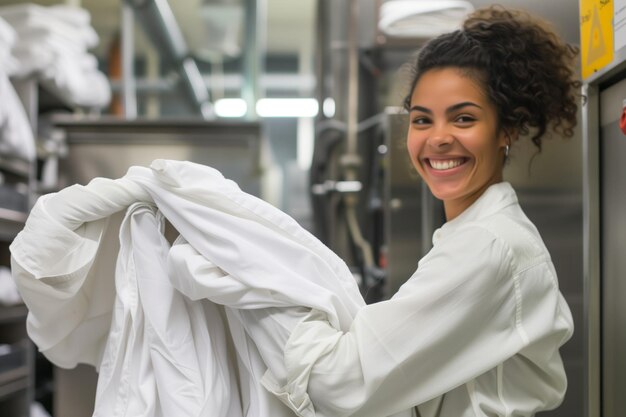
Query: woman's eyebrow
(450, 109)
(459, 106)
(422, 109)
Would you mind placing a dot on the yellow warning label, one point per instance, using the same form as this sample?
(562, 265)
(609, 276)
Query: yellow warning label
(596, 35)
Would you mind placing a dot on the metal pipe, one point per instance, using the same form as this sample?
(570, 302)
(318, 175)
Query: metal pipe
(253, 58)
(353, 80)
(321, 53)
(129, 93)
(198, 89)
(351, 160)
(160, 23)
(174, 34)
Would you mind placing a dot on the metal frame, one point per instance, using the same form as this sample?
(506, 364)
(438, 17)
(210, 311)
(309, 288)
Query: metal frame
(591, 249)
(591, 230)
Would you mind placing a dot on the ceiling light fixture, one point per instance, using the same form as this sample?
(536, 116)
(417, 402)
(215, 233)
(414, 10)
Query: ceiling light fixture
(423, 19)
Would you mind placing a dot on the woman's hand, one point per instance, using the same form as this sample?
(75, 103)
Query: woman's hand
(101, 198)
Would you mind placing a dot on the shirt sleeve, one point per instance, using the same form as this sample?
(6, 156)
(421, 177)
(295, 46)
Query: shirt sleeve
(67, 283)
(453, 320)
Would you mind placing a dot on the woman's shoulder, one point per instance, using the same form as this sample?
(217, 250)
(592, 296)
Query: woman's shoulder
(514, 230)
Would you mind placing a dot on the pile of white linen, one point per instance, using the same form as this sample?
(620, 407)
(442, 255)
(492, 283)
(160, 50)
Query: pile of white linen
(16, 135)
(52, 44)
(7, 41)
(159, 324)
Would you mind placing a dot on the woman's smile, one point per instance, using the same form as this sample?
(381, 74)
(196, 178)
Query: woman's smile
(446, 166)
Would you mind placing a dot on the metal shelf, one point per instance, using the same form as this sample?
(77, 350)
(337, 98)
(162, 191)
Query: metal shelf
(15, 386)
(13, 313)
(15, 166)
(11, 223)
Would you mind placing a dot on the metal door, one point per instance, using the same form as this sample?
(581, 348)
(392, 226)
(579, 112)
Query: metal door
(613, 250)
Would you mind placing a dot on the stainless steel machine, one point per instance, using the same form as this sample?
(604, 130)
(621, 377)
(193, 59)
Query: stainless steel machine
(604, 238)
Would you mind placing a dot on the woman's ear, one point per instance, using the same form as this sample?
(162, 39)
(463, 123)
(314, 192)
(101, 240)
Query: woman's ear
(507, 136)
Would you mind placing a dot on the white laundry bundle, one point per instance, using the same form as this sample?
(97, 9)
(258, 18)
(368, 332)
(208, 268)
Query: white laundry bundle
(8, 63)
(16, 134)
(159, 324)
(52, 43)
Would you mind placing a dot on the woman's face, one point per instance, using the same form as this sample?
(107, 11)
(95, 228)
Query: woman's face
(453, 138)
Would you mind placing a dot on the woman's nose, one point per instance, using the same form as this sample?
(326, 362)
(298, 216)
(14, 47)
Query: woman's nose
(440, 137)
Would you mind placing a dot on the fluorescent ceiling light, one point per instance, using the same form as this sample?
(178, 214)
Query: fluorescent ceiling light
(422, 18)
(231, 107)
(328, 107)
(268, 107)
(287, 107)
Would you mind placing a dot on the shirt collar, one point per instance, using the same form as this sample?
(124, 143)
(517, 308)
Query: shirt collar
(494, 199)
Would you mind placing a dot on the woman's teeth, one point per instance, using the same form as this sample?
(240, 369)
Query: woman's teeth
(441, 165)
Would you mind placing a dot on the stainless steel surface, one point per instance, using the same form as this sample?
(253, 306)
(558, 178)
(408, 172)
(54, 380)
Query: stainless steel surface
(613, 263)
(603, 255)
(109, 147)
(129, 89)
(591, 251)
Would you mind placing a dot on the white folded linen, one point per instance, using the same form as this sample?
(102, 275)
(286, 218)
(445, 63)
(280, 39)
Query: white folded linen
(29, 18)
(7, 35)
(74, 77)
(52, 44)
(52, 41)
(73, 15)
(16, 135)
(76, 80)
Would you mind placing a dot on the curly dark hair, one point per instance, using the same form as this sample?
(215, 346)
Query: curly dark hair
(525, 69)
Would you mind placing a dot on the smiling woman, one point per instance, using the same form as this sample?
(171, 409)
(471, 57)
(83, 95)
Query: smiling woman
(476, 90)
(476, 330)
(453, 138)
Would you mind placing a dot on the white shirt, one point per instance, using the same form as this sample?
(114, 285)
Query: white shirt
(474, 332)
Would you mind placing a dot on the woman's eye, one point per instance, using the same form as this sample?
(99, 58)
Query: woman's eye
(464, 119)
(420, 121)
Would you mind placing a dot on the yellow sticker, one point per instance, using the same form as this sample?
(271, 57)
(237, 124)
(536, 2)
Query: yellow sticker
(596, 35)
